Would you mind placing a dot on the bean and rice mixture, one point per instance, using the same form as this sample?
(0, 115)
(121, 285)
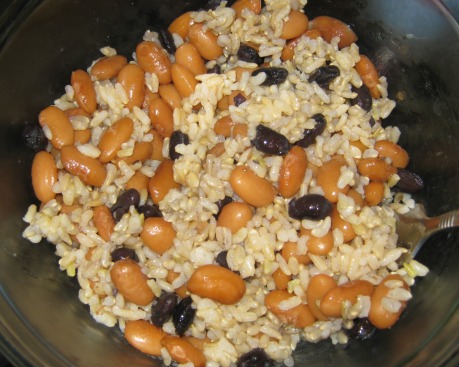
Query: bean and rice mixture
(230, 191)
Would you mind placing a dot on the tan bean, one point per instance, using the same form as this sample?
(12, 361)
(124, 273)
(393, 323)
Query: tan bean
(77, 111)
(375, 169)
(378, 315)
(235, 216)
(370, 77)
(131, 282)
(139, 182)
(170, 94)
(299, 316)
(157, 146)
(224, 126)
(88, 170)
(290, 249)
(239, 130)
(142, 151)
(374, 193)
(318, 286)
(82, 136)
(359, 145)
(84, 91)
(240, 70)
(318, 245)
(252, 5)
(196, 342)
(331, 27)
(132, 78)
(182, 351)
(344, 226)
(331, 303)
(108, 67)
(358, 199)
(188, 55)
(112, 139)
(395, 152)
(162, 181)
(44, 176)
(205, 41)
(254, 190)
(182, 291)
(158, 234)
(149, 96)
(289, 49)
(144, 336)
(281, 279)
(295, 25)
(103, 221)
(328, 176)
(161, 117)
(154, 59)
(181, 25)
(217, 150)
(292, 172)
(184, 80)
(59, 125)
(217, 283)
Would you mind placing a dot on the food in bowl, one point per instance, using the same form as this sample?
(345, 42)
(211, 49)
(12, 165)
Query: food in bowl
(231, 190)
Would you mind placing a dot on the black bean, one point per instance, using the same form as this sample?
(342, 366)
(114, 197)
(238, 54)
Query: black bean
(183, 315)
(150, 210)
(163, 308)
(222, 203)
(216, 69)
(249, 54)
(270, 142)
(311, 206)
(274, 75)
(409, 181)
(221, 259)
(255, 358)
(310, 135)
(34, 137)
(363, 98)
(124, 202)
(167, 41)
(324, 75)
(239, 99)
(177, 138)
(362, 329)
(122, 253)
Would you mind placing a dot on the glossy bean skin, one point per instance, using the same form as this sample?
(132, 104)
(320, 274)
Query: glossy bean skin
(270, 142)
(183, 315)
(327, 178)
(162, 308)
(138, 182)
(205, 42)
(154, 59)
(252, 5)
(44, 176)
(288, 50)
(330, 27)
(82, 136)
(103, 221)
(157, 146)
(60, 126)
(249, 54)
(181, 25)
(395, 152)
(169, 93)
(188, 55)
(369, 75)
(292, 171)
(318, 286)
(144, 336)
(184, 80)
(296, 24)
(311, 206)
(281, 279)
(378, 315)
(88, 170)
(161, 117)
(158, 234)
(142, 151)
(113, 137)
(34, 137)
(123, 203)
(162, 181)
(324, 75)
(181, 291)
(122, 253)
(290, 249)
(274, 75)
(310, 135)
(128, 278)
(375, 169)
(344, 226)
(374, 193)
(226, 127)
(85, 94)
(318, 245)
(331, 303)
(132, 78)
(358, 199)
(149, 211)
(299, 316)
(409, 181)
(167, 41)
(177, 138)
(363, 98)
(108, 67)
(182, 351)
(254, 190)
(217, 283)
(234, 216)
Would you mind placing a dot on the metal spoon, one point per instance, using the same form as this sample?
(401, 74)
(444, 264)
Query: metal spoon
(415, 227)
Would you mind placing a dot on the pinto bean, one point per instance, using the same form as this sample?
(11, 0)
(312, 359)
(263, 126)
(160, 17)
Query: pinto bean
(132, 78)
(113, 137)
(142, 151)
(144, 336)
(138, 182)
(103, 221)
(217, 283)
(374, 193)
(234, 216)
(281, 279)
(330, 27)
(369, 75)
(296, 24)
(182, 351)
(82, 136)
(59, 125)
(108, 67)
(184, 80)
(344, 226)
(252, 5)
(395, 152)
(85, 94)
(288, 51)
(157, 146)
(44, 176)
(299, 316)
(162, 181)
(181, 25)
(205, 41)
(318, 245)
(292, 171)
(188, 55)
(154, 59)
(158, 234)
(181, 291)
(318, 286)
(290, 249)
(161, 117)
(375, 169)
(328, 176)
(169, 93)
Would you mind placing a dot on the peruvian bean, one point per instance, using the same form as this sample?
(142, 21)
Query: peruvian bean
(337, 222)
(184, 80)
(154, 59)
(205, 41)
(295, 25)
(44, 176)
(310, 135)
(183, 315)
(299, 316)
(132, 78)
(169, 93)
(274, 75)
(387, 149)
(103, 221)
(161, 117)
(270, 142)
(84, 92)
(370, 77)
(82, 136)
(318, 286)
(188, 55)
(311, 206)
(162, 308)
(318, 245)
(281, 280)
(144, 336)
(182, 291)
(288, 51)
(59, 125)
(409, 181)
(34, 137)
(327, 178)
(330, 27)
(157, 144)
(181, 24)
(221, 204)
(290, 249)
(112, 139)
(182, 351)
(217, 283)
(292, 171)
(108, 67)
(251, 5)
(141, 152)
(177, 138)
(162, 181)
(167, 41)
(235, 216)
(324, 75)
(375, 169)
(255, 358)
(158, 234)
(138, 182)
(124, 202)
(374, 193)
(249, 54)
